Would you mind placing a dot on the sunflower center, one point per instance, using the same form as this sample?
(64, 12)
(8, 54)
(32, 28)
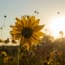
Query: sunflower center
(27, 32)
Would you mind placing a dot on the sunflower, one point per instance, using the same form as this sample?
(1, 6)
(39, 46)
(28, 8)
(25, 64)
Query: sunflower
(27, 30)
(3, 53)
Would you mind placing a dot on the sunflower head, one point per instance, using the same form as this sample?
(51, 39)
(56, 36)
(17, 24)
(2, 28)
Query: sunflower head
(27, 30)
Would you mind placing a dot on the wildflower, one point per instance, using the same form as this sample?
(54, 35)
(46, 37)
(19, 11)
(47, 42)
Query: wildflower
(27, 30)
(3, 53)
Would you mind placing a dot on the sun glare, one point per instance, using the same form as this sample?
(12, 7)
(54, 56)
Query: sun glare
(57, 24)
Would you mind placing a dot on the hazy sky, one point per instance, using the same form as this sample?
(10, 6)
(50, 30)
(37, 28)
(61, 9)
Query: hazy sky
(16, 8)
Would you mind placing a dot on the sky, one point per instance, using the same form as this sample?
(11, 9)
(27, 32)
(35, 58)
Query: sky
(16, 8)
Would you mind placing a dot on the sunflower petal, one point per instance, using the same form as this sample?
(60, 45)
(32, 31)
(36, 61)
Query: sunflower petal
(15, 32)
(33, 40)
(38, 28)
(35, 37)
(32, 18)
(35, 23)
(14, 28)
(39, 34)
(16, 37)
(24, 21)
(17, 19)
(28, 21)
(19, 23)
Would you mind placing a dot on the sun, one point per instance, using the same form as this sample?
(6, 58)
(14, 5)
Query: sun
(57, 24)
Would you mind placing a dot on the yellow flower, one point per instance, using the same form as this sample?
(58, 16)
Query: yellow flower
(27, 29)
(4, 53)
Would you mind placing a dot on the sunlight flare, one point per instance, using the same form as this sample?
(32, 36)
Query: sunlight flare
(57, 24)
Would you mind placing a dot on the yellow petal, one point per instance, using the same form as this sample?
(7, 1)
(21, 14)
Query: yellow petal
(35, 23)
(15, 32)
(32, 18)
(19, 23)
(32, 21)
(17, 19)
(17, 27)
(33, 40)
(16, 37)
(39, 33)
(35, 37)
(14, 27)
(24, 21)
(28, 21)
(38, 28)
